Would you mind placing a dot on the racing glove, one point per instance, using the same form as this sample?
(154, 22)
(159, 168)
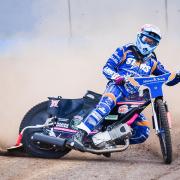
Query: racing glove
(174, 81)
(120, 80)
(178, 76)
(130, 88)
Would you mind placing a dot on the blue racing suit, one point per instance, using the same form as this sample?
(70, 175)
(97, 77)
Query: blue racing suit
(124, 62)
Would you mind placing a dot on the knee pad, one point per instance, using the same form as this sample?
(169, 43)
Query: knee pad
(141, 121)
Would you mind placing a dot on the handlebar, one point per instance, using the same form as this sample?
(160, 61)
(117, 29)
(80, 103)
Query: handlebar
(138, 81)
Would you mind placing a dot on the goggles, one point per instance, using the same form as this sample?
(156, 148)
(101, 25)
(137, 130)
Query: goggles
(147, 40)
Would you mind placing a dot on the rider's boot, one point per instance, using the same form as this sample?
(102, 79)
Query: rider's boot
(91, 121)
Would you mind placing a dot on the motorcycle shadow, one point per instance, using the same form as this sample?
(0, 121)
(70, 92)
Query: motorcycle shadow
(115, 158)
(75, 156)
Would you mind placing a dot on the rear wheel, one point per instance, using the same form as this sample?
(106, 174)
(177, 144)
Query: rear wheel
(164, 134)
(38, 115)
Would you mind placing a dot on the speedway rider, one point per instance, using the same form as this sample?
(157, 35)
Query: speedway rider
(135, 60)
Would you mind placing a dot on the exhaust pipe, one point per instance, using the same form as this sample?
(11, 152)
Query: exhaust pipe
(117, 149)
(59, 142)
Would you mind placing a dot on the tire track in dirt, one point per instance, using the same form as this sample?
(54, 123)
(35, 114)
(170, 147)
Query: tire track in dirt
(136, 163)
(31, 168)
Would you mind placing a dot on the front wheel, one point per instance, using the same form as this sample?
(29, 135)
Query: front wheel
(38, 115)
(164, 134)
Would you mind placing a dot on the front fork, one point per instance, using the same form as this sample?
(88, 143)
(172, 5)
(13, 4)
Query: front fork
(168, 115)
(155, 121)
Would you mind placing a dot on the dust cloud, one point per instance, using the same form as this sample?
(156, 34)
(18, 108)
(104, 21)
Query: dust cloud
(51, 61)
(46, 62)
(37, 70)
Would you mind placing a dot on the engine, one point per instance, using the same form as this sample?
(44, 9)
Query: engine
(118, 132)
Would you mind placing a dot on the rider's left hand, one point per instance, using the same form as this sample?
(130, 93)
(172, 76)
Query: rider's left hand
(178, 75)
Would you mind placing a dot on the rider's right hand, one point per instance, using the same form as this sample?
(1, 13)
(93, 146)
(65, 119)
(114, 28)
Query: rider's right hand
(120, 80)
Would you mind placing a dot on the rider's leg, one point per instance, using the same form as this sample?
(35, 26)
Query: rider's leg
(141, 130)
(104, 107)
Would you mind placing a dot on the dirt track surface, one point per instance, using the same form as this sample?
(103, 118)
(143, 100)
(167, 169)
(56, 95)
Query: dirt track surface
(137, 162)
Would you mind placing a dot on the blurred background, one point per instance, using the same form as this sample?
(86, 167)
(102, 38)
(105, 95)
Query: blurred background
(51, 48)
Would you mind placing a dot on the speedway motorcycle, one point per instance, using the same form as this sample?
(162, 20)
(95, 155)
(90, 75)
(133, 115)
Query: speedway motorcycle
(46, 127)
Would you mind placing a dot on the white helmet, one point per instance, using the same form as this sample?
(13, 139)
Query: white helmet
(148, 39)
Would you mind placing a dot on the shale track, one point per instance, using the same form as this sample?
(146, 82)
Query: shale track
(138, 162)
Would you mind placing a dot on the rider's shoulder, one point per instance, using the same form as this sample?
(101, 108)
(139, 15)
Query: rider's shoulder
(128, 46)
(125, 47)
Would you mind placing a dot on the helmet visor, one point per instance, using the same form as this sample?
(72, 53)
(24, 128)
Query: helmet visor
(147, 40)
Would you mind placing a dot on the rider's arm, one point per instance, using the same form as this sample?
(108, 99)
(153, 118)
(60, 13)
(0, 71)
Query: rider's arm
(174, 79)
(110, 68)
(159, 70)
